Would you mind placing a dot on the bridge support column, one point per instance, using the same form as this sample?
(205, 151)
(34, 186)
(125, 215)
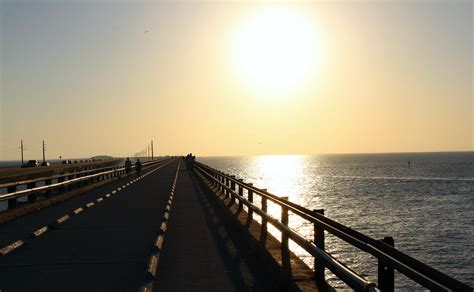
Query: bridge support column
(386, 276)
(319, 241)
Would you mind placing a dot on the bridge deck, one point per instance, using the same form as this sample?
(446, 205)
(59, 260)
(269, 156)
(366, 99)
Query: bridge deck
(198, 254)
(106, 247)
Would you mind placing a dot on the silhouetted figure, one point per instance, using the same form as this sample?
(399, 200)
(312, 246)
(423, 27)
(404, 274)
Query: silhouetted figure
(190, 159)
(409, 163)
(128, 166)
(138, 167)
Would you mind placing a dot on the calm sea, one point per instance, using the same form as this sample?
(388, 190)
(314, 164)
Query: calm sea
(425, 201)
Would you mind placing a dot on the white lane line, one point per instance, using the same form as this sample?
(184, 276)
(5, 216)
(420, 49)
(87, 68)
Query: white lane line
(151, 269)
(11, 247)
(100, 200)
(90, 204)
(40, 231)
(158, 243)
(63, 219)
(78, 210)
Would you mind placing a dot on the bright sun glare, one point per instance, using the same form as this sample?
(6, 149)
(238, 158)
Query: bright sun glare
(276, 51)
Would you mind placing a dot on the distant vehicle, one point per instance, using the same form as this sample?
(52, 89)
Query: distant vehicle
(46, 163)
(75, 161)
(31, 163)
(64, 161)
(69, 162)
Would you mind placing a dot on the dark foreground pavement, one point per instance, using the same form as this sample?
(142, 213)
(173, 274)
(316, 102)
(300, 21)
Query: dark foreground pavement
(104, 248)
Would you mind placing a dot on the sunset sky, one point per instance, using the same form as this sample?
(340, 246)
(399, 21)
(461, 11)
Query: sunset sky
(235, 78)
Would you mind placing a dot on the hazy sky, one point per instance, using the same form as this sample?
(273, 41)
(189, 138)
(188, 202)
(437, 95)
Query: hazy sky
(105, 77)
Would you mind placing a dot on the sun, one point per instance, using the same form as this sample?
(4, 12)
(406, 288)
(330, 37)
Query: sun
(275, 51)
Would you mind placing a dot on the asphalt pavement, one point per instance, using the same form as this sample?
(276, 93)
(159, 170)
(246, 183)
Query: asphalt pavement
(103, 248)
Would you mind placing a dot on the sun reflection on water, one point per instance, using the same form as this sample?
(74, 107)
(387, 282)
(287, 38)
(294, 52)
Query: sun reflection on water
(280, 172)
(285, 176)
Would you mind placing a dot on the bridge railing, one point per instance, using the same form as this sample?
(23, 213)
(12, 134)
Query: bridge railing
(65, 182)
(388, 257)
(76, 173)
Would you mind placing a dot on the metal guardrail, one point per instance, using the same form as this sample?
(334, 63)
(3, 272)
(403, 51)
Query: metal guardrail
(388, 257)
(12, 194)
(58, 176)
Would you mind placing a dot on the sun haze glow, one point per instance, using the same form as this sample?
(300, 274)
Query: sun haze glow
(276, 51)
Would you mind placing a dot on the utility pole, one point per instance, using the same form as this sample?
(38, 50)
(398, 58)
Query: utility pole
(152, 150)
(21, 147)
(44, 150)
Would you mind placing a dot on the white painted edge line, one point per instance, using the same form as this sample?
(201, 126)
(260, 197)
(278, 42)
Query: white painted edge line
(119, 189)
(124, 186)
(100, 200)
(108, 195)
(163, 227)
(90, 204)
(40, 231)
(113, 192)
(78, 210)
(152, 264)
(11, 247)
(63, 219)
(158, 242)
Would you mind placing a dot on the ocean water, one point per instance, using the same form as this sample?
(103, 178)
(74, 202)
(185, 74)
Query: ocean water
(425, 201)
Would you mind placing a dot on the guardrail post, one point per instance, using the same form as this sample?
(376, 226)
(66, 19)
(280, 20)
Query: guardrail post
(48, 182)
(284, 220)
(319, 241)
(11, 202)
(250, 198)
(60, 180)
(241, 194)
(227, 183)
(232, 187)
(32, 197)
(386, 276)
(221, 180)
(264, 209)
(71, 186)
